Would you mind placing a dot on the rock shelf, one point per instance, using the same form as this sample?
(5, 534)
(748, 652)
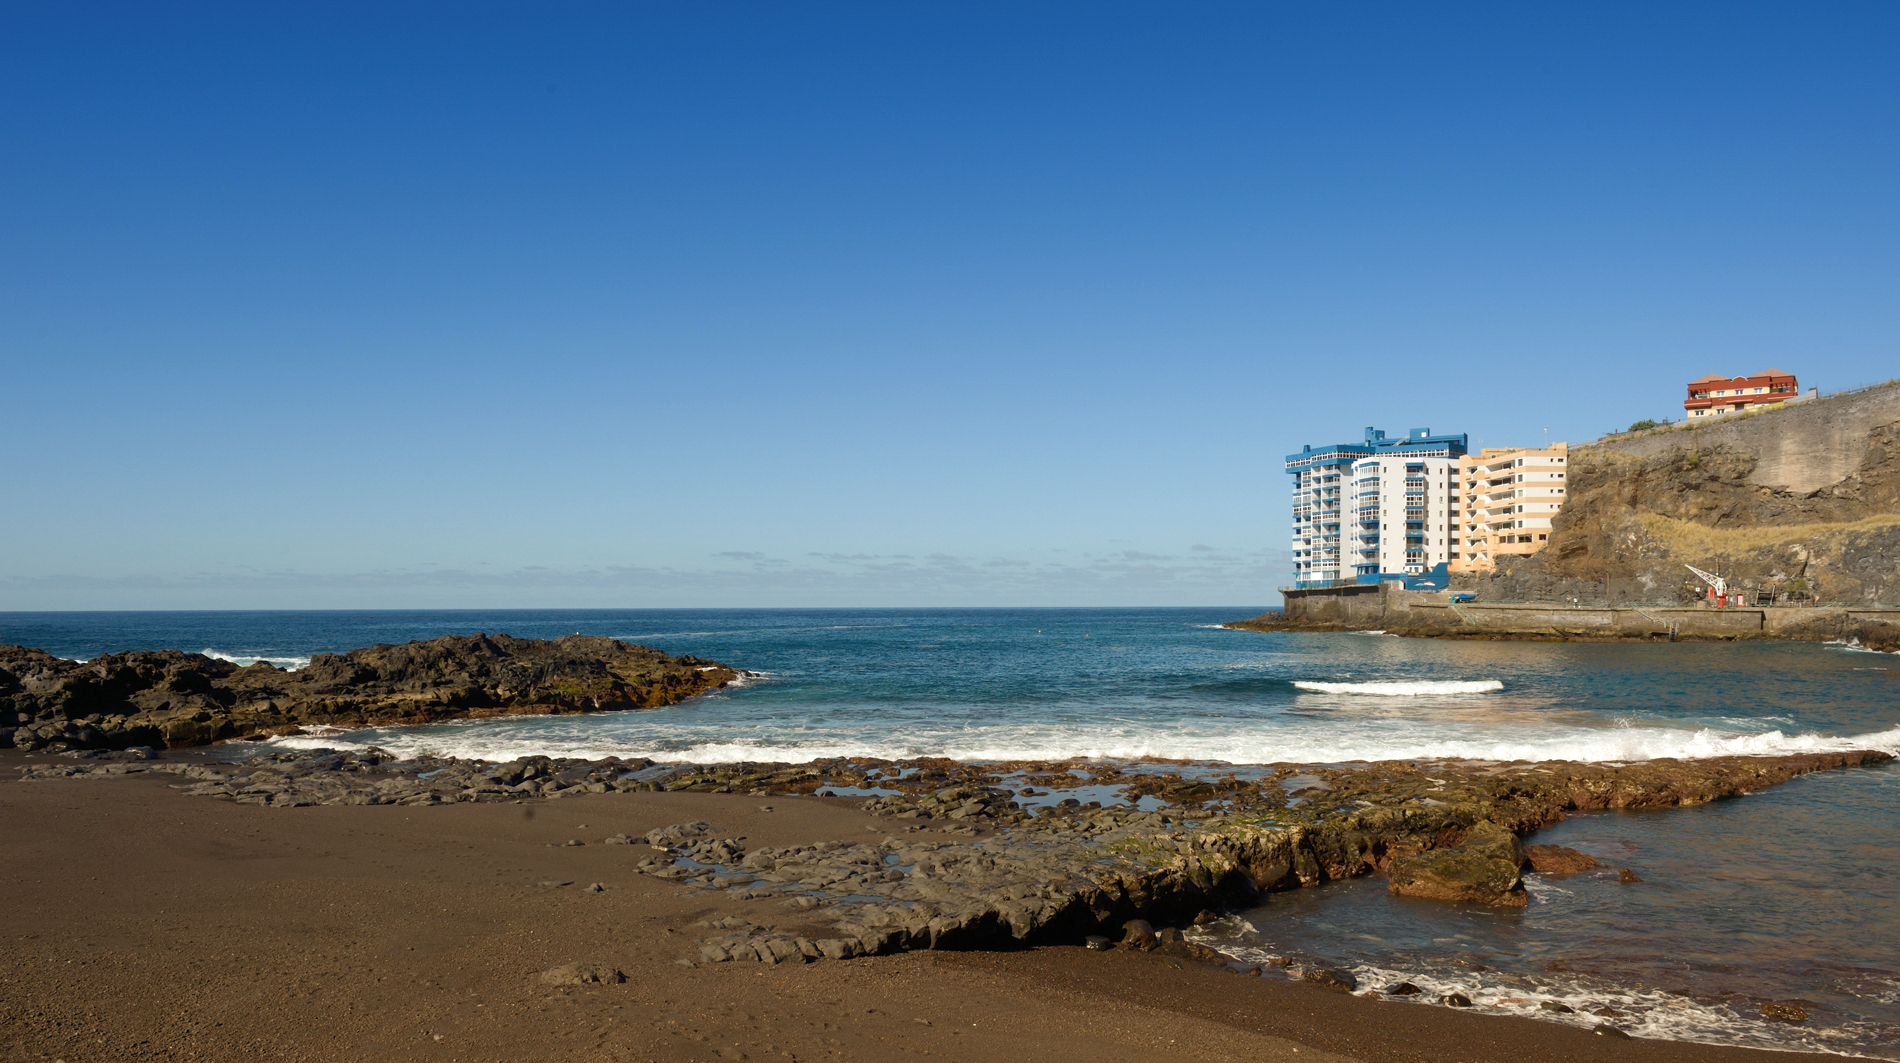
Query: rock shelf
(965, 865)
(171, 699)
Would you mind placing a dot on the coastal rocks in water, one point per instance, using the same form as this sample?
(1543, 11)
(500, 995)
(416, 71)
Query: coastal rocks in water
(1455, 1000)
(1340, 981)
(950, 802)
(583, 974)
(1558, 860)
(1784, 1012)
(1626, 876)
(169, 698)
(1402, 989)
(1484, 869)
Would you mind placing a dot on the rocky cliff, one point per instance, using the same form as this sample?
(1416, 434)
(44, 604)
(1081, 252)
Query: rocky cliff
(169, 698)
(1804, 499)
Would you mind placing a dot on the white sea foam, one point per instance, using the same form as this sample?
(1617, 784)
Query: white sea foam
(531, 736)
(1404, 688)
(1647, 1013)
(290, 664)
(1852, 645)
(747, 678)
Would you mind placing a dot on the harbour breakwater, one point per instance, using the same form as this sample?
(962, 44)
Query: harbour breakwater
(1389, 608)
(168, 698)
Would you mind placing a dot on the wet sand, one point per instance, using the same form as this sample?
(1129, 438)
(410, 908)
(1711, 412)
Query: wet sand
(143, 924)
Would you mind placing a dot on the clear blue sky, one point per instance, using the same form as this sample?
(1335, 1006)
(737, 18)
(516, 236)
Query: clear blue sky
(894, 304)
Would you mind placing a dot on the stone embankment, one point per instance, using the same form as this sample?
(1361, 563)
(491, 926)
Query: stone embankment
(1390, 608)
(167, 698)
(988, 856)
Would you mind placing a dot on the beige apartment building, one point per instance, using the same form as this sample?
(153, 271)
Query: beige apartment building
(1506, 498)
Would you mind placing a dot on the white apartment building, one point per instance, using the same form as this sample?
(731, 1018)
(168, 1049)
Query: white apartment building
(1508, 497)
(1380, 508)
(1404, 513)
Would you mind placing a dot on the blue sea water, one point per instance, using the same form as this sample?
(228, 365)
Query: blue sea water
(1792, 894)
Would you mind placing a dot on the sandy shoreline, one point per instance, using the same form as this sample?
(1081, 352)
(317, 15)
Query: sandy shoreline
(145, 924)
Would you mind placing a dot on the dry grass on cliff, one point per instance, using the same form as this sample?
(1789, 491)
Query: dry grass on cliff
(1687, 539)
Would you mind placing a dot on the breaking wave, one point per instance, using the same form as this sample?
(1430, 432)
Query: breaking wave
(1403, 688)
(289, 664)
(1852, 645)
(603, 737)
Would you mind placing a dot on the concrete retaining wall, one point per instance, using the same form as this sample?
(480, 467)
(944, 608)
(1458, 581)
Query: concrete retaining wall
(1800, 448)
(1389, 607)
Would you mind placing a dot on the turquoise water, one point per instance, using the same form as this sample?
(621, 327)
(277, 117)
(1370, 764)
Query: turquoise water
(1787, 895)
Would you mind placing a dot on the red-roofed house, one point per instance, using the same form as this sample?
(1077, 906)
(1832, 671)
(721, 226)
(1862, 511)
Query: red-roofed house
(1716, 394)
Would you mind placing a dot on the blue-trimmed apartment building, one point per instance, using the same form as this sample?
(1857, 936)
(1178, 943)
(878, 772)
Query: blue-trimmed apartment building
(1376, 510)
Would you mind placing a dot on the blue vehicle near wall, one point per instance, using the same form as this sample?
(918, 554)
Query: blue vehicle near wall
(1437, 578)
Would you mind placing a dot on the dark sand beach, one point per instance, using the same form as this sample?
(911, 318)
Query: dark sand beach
(145, 924)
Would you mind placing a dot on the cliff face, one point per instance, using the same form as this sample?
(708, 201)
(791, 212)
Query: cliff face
(1805, 498)
(168, 698)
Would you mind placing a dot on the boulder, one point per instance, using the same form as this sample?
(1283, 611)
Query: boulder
(1340, 981)
(1483, 870)
(1139, 934)
(674, 834)
(1558, 860)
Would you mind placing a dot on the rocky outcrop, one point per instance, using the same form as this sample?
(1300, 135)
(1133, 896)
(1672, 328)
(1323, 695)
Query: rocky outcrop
(1482, 869)
(1803, 500)
(1006, 875)
(167, 698)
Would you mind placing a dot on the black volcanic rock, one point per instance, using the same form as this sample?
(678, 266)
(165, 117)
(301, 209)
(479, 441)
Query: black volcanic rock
(170, 698)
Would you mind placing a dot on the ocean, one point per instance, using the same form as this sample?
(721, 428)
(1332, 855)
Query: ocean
(1789, 895)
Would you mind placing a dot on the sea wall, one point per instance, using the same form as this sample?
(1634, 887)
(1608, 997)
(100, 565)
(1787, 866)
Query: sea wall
(1815, 453)
(1389, 607)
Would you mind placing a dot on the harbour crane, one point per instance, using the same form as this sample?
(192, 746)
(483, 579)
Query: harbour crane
(1717, 584)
